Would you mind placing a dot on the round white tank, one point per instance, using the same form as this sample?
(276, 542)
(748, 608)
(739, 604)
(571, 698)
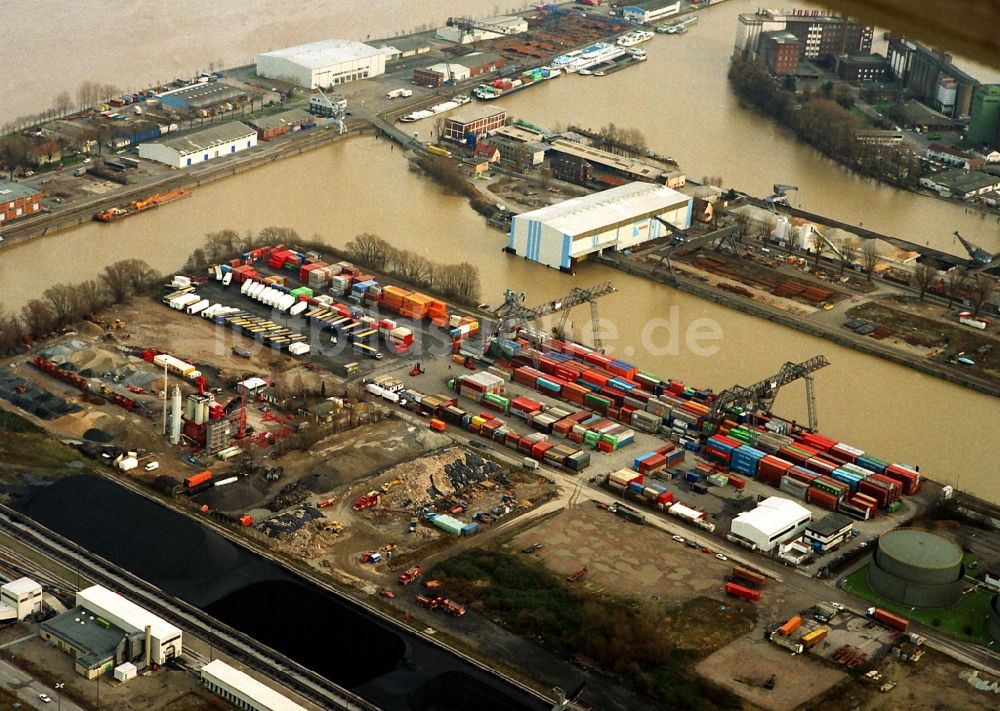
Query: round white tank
(781, 229)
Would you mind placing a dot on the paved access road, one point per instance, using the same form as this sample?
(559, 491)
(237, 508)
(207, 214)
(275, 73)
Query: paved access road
(27, 689)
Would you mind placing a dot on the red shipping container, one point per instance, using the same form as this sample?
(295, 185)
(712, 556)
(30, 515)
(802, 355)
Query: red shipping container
(909, 477)
(665, 498)
(605, 446)
(539, 449)
(592, 376)
(736, 482)
(575, 438)
(546, 365)
(716, 454)
(524, 404)
(820, 465)
(574, 393)
(818, 441)
(652, 464)
(803, 475)
(773, 466)
(821, 498)
(880, 495)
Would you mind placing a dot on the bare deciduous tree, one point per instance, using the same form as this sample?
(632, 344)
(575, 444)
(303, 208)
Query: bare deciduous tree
(869, 257)
(12, 332)
(127, 277)
(63, 302)
(741, 224)
(981, 288)
(38, 317)
(955, 283)
(62, 103)
(848, 252)
(371, 250)
(923, 277)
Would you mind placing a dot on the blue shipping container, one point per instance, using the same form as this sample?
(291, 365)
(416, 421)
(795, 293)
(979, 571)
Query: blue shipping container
(692, 476)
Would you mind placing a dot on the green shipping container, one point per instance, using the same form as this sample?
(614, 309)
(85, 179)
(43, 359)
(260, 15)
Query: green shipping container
(591, 439)
(596, 401)
(894, 507)
(708, 427)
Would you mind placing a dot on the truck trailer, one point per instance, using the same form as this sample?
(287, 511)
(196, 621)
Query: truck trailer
(888, 619)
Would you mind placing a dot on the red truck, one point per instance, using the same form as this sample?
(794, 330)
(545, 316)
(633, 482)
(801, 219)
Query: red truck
(740, 591)
(888, 619)
(410, 575)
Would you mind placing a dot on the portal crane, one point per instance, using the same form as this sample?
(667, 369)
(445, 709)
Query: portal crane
(513, 313)
(466, 25)
(761, 395)
(780, 196)
(977, 254)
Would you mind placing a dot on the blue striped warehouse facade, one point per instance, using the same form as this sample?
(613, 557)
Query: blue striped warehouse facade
(619, 218)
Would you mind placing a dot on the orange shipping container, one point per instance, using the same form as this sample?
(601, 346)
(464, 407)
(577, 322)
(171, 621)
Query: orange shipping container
(790, 626)
(437, 425)
(196, 479)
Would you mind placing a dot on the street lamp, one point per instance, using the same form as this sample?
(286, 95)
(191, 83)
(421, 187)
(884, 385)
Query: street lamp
(58, 690)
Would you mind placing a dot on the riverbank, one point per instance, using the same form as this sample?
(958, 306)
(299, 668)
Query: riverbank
(799, 322)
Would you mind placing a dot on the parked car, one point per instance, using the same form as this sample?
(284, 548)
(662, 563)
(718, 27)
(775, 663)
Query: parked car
(721, 556)
(45, 698)
(679, 539)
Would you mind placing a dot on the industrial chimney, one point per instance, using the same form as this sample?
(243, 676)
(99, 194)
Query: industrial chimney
(175, 415)
(149, 640)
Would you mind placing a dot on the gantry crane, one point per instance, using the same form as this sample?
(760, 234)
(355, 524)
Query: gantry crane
(466, 25)
(780, 196)
(979, 258)
(513, 313)
(760, 396)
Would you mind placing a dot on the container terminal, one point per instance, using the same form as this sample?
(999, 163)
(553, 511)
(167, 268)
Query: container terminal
(491, 420)
(367, 432)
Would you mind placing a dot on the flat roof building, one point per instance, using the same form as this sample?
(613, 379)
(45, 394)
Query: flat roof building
(630, 168)
(165, 638)
(325, 63)
(95, 643)
(24, 595)
(959, 183)
(473, 122)
(829, 531)
(243, 690)
(18, 200)
(653, 11)
(774, 521)
(622, 217)
(200, 146)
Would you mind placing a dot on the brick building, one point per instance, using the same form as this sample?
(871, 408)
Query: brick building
(475, 121)
(18, 200)
(781, 51)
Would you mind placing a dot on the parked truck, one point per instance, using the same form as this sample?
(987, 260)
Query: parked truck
(813, 638)
(410, 575)
(790, 626)
(888, 619)
(743, 592)
(750, 576)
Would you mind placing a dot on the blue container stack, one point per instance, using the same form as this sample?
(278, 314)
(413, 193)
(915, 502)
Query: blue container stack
(745, 460)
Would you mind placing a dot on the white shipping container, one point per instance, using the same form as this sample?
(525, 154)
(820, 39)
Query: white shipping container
(179, 281)
(298, 308)
(198, 307)
(374, 389)
(227, 480)
(227, 278)
(390, 396)
(299, 348)
(182, 302)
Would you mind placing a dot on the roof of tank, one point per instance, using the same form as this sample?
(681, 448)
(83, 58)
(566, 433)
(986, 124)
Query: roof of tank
(920, 548)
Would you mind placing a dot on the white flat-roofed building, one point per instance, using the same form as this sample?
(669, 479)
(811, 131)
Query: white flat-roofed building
(24, 595)
(617, 219)
(243, 690)
(325, 63)
(164, 638)
(650, 12)
(201, 146)
(774, 521)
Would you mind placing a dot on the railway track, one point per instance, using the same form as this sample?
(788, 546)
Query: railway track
(248, 651)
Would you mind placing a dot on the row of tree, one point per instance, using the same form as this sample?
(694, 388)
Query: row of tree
(621, 141)
(455, 281)
(825, 121)
(63, 304)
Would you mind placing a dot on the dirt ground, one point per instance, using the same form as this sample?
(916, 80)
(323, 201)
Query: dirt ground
(173, 690)
(626, 559)
(744, 666)
(931, 683)
(385, 527)
(529, 193)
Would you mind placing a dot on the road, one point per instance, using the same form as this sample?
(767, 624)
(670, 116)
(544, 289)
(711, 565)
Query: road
(27, 689)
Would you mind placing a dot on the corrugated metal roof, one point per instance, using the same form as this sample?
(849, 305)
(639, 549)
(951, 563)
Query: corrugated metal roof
(621, 204)
(773, 515)
(263, 695)
(209, 137)
(322, 54)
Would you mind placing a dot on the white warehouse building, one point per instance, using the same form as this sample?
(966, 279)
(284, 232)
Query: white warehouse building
(200, 146)
(164, 638)
(646, 15)
(325, 63)
(617, 219)
(243, 690)
(774, 521)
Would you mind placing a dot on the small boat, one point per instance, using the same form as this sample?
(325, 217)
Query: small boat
(585, 72)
